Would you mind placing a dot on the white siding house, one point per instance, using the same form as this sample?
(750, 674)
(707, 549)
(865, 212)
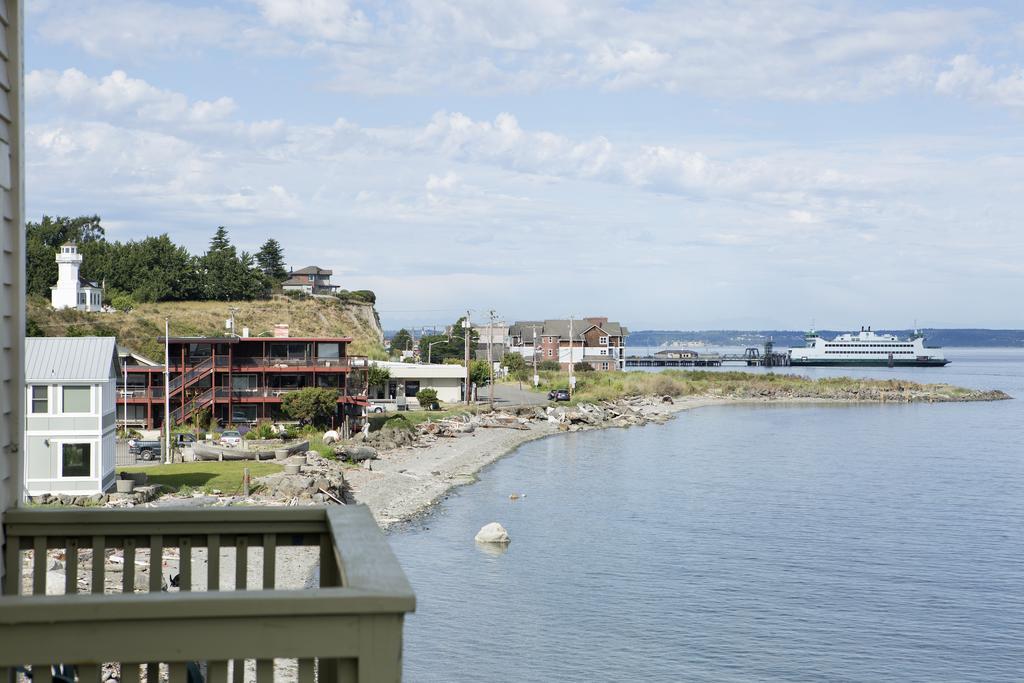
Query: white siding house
(70, 422)
(12, 256)
(408, 378)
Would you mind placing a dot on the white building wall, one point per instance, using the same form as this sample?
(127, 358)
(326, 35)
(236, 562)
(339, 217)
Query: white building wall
(12, 257)
(46, 434)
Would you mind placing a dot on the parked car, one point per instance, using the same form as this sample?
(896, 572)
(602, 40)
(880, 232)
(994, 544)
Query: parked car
(153, 448)
(559, 395)
(231, 437)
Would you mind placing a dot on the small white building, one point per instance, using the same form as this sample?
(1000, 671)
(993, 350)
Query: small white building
(71, 399)
(71, 290)
(408, 378)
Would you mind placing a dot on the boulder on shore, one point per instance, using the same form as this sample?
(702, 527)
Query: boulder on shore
(492, 533)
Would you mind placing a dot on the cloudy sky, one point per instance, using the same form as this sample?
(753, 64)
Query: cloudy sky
(669, 164)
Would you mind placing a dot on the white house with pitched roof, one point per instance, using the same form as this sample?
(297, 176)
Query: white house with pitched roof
(70, 417)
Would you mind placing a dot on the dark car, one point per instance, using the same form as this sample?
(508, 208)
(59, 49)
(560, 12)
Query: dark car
(150, 450)
(559, 395)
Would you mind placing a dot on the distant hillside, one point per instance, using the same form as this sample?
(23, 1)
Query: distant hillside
(789, 338)
(138, 329)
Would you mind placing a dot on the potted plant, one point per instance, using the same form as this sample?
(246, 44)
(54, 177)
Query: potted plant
(125, 484)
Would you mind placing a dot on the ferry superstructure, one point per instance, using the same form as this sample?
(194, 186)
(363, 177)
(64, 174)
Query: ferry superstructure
(866, 348)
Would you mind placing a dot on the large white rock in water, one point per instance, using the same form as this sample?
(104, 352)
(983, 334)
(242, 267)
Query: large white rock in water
(492, 533)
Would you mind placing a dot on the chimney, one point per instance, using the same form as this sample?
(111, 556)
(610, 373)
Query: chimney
(245, 331)
(281, 330)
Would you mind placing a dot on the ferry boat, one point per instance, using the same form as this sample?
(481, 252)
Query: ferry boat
(866, 348)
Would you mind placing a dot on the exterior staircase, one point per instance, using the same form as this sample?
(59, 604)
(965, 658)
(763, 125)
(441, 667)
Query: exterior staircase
(186, 379)
(189, 408)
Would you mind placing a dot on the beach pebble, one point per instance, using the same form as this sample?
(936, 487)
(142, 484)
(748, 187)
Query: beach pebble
(492, 533)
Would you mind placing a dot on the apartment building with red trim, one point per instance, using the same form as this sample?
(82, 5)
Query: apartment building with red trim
(241, 379)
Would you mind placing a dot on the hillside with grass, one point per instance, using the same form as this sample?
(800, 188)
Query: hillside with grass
(139, 328)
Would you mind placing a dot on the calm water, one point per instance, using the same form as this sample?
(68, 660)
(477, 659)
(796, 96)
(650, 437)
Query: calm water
(855, 543)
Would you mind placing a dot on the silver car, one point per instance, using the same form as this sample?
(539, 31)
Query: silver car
(231, 437)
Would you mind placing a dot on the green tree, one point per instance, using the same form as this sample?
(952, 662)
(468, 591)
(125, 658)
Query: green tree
(402, 341)
(549, 366)
(515, 364)
(377, 376)
(220, 240)
(479, 372)
(270, 258)
(226, 275)
(311, 405)
(448, 346)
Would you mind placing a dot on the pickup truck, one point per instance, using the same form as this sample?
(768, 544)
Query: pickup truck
(149, 450)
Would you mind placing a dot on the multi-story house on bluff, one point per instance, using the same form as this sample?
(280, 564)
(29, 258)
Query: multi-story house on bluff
(310, 280)
(242, 379)
(596, 341)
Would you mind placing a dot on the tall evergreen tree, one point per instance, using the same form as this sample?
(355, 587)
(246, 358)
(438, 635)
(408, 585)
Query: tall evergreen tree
(270, 258)
(220, 241)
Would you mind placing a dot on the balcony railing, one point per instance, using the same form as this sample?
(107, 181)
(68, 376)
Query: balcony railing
(246, 362)
(347, 629)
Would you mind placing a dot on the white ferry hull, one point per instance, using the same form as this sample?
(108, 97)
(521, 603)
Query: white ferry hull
(869, 362)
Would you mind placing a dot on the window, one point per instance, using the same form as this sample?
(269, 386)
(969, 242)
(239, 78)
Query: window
(328, 351)
(75, 460)
(412, 388)
(76, 399)
(550, 353)
(603, 341)
(40, 399)
(81, 298)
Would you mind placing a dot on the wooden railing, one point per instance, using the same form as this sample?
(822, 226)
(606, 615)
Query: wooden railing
(349, 628)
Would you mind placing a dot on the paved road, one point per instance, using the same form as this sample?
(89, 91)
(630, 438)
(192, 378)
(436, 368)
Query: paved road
(511, 394)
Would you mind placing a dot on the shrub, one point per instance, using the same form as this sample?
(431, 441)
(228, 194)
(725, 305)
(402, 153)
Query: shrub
(263, 430)
(549, 366)
(427, 398)
(311, 405)
(583, 367)
(122, 302)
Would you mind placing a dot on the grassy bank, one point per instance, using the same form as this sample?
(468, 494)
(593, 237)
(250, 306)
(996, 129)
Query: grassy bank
(205, 476)
(606, 386)
(139, 328)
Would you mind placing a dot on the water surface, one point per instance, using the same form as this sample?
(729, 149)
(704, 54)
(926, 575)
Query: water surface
(858, 543)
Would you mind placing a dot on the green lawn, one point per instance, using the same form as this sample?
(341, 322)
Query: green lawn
(226, 476)
(412, 418)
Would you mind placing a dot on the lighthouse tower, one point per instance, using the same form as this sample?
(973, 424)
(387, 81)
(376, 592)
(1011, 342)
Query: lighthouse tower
(71, 291)
(65, 294)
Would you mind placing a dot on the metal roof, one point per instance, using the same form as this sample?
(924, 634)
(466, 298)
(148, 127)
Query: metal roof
(76, 359)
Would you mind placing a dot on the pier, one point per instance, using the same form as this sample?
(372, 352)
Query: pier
(751, 357)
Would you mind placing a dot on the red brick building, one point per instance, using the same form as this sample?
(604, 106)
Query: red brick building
(241, 379)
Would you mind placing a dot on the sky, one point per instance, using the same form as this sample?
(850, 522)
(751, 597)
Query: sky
(670, 165)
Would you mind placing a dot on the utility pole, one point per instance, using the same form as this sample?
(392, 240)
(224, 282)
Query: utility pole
(233, 310)
(124, 396)
(490, 358)
(467, 333)
(167, 391)
(536, 377)
(572, 378)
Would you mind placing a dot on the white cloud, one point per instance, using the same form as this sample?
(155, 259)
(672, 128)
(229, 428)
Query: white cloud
(326, 19)
(968, 78)
(140, 29)
(119, 93)
(776, 49)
